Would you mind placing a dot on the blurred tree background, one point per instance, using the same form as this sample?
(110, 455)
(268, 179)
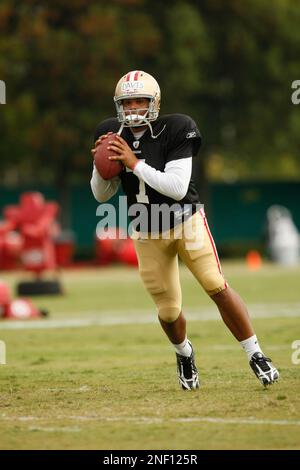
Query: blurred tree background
(228, 63)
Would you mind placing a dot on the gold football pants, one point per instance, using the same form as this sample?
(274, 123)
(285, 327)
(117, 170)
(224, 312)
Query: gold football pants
(158, 263)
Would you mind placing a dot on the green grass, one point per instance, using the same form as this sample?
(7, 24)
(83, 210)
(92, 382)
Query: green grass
(115, 386)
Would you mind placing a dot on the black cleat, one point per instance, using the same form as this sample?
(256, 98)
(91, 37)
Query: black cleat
(187, 371)
(263, 369)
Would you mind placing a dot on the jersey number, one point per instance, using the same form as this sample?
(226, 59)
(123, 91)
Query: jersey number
(141, 196)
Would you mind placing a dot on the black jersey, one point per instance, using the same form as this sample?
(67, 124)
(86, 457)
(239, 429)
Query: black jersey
(178, 137)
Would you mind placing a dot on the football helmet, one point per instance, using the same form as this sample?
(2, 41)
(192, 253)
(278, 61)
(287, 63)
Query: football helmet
(137, 84)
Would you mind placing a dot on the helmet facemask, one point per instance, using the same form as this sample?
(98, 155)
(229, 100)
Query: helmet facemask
(136, 117)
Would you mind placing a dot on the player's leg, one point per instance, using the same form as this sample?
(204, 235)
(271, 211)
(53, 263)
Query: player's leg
(235, 316)
(234, 313)
(203, 261)
(158, 267)
(175, 330)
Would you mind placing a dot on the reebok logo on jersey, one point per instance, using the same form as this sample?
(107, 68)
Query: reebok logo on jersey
(192, 134)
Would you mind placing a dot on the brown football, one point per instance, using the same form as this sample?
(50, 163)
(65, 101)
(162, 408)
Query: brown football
(107, 168)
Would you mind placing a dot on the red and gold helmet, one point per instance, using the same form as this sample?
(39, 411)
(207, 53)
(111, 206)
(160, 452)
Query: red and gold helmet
(137, 84)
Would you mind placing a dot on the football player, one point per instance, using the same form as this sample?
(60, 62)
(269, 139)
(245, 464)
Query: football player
(157, 154)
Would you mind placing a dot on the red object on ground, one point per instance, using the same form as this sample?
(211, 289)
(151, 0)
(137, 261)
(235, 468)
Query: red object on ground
(20, 309)
(107, 248)
(11, 244)
(5, 295)
(34, 218)
(39, 243)
(126, 253)
(115, 248)
(105, 253)
(37, 216)
(64, 251)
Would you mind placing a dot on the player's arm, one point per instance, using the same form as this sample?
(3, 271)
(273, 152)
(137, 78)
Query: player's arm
(102, 189)
(172, 182)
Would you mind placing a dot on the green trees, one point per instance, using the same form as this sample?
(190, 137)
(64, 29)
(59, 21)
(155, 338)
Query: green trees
(60, 62)
(229, 64)
(256, 48)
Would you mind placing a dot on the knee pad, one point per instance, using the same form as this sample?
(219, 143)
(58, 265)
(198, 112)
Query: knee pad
(213, 282)
(169, 314)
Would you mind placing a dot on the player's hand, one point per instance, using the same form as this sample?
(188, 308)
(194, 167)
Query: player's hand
(98, 141)
(123, 152)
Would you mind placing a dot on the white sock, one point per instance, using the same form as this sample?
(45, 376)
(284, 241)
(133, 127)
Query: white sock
(251, 346)
(184, 348)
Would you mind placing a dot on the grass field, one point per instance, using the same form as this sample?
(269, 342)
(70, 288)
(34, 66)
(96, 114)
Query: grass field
(100, 374)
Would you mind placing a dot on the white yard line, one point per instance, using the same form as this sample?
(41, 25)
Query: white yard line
(291, 310)
(84, 388)
(47, 429)
(273, 422)
(233, 347)
(146, 420)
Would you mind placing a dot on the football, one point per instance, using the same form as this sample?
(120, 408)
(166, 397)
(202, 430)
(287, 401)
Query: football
(105, 167)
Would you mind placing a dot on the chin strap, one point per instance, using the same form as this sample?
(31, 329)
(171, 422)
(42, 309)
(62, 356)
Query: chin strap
(151, 130)
(121, 128)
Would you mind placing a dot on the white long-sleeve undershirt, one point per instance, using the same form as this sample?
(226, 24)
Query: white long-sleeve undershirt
(172, 182)
(104, 189)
